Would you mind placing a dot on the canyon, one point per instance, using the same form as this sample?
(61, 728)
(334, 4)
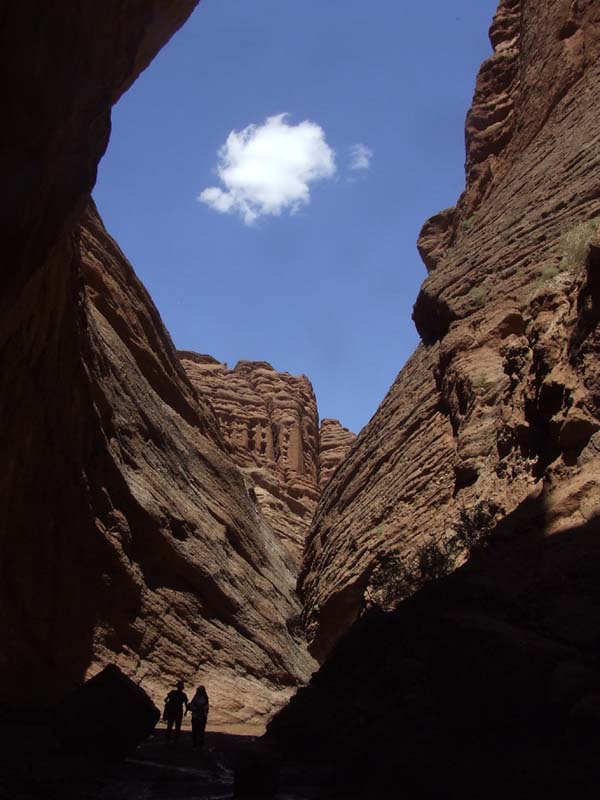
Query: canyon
(437, 574)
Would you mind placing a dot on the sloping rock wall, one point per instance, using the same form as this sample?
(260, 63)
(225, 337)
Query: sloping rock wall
(501, 400)
(216, 599)
(127, 533)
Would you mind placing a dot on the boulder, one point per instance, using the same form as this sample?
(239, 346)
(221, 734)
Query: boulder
(107, 717)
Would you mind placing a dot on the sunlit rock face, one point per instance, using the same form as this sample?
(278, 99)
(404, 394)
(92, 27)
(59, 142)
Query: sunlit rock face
(270, 424)
(127, 533)
(470, 504)
(335, 442)
(501, 400)
(215, 597)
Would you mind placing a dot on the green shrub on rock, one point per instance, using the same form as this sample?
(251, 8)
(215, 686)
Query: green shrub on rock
(576, 243)
(395, 577)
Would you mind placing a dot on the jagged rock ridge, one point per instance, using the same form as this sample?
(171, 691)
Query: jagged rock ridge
(335, 442)
(270, 423)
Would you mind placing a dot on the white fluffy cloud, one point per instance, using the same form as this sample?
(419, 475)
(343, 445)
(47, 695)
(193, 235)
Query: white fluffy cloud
(266, 169)
(360, 157)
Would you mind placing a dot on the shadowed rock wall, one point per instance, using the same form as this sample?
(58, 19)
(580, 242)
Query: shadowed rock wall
(489, 671)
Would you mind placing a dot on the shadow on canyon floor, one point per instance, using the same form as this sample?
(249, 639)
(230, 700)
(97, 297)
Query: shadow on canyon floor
(484, 682)
(33, 766)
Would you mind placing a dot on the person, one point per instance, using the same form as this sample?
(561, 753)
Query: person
(199, 710)
(175, 702)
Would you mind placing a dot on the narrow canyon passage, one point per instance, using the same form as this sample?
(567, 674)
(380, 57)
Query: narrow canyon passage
(410, 610)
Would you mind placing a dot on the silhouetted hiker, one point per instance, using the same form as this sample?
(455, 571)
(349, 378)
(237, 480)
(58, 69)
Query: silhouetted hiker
(175, 703)
(199, 710)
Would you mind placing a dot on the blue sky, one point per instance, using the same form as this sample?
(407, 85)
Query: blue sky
(325, 287)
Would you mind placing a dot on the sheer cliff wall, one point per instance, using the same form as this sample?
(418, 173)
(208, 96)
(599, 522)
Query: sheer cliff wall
(127, 533)
(500, 403)
(270, 424)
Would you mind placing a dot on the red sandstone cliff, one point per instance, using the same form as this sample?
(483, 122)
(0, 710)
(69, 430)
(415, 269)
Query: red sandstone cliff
(500, 403)
(470, 504)
(127, 533)
(269, 421)
(334, 443)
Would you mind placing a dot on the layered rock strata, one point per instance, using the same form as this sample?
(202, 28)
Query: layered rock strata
(501, 401)
(127, 533)
(270, 423)
(335, 442)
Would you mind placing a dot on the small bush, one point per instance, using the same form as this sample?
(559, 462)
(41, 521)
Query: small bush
(477, 295)
(481, 383)
(434, 561)
(474, 527)
(546, 275)
(466, 224)
(392, 581)
(575, 245)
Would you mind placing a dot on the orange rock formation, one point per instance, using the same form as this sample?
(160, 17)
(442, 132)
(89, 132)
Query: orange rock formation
(270, 423)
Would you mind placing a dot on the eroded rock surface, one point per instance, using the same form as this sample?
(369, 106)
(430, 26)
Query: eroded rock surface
(502, 398)
(216, 598)
(270, 423)
(127, 534)
(335, 442)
